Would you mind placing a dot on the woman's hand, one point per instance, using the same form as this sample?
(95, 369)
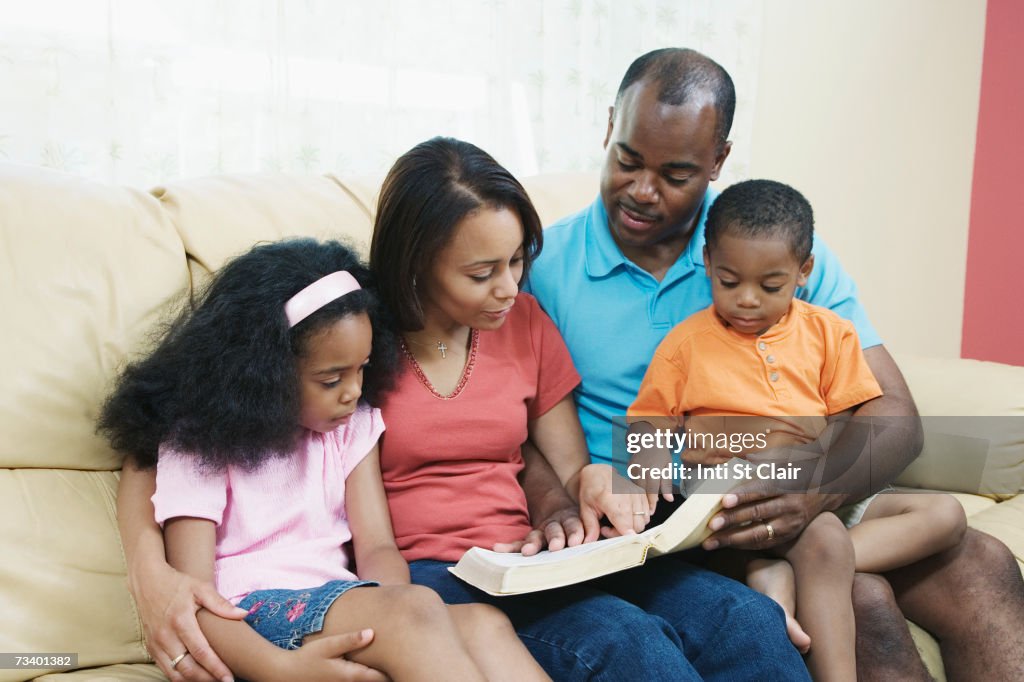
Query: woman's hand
(167, 601)
(604, 493)
(324, 659)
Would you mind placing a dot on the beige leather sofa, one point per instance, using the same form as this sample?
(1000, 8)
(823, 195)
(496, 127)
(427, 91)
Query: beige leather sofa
(86, 269)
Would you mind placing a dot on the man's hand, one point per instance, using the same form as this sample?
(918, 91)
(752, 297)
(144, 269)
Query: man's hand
(167, 601)
(562, 528)
(757, 519)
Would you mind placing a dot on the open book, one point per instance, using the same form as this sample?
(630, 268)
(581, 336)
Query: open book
(501, 574)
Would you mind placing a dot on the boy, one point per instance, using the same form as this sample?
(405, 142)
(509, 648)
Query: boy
(759, 353)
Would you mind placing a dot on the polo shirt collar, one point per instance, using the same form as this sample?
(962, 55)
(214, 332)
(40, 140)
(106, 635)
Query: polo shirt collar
(603, 255)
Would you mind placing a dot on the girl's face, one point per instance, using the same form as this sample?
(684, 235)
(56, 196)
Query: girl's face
(331, 372)
(475, 278)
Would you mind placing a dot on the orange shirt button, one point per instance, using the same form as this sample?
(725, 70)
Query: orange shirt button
(761, 345)
(774, 376)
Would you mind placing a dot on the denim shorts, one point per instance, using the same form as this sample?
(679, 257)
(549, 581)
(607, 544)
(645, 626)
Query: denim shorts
(284, 617)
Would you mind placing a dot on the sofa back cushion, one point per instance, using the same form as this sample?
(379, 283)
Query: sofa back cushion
(86, 271)
(220, 217)
(973, 415)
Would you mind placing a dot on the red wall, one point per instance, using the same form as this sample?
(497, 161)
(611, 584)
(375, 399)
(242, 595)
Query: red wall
(994, 294)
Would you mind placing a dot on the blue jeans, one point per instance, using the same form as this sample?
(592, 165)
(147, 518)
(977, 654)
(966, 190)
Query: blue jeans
(665, 620)
(285, 617)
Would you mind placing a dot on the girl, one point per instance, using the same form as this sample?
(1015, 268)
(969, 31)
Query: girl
(267, 465)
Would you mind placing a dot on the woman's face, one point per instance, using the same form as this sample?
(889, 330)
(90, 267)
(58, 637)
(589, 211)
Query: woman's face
(475, 278)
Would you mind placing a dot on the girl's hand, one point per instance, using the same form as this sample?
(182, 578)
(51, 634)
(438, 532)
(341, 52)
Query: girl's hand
(324, 659)
(167, 601)
(603, 492)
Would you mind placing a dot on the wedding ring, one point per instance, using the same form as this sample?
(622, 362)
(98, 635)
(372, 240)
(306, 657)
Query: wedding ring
(177, 659)
(771, 531)
(639, 513)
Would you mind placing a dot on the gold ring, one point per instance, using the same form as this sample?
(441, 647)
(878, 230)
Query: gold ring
(771, 531)
(177, 659)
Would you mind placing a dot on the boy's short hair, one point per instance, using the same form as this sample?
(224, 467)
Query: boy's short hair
(760, 209)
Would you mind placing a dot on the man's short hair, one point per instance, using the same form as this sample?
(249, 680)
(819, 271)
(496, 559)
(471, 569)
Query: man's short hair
(681, 75)
(760, 209)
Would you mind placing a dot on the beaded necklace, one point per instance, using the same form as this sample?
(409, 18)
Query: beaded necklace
(474, 341)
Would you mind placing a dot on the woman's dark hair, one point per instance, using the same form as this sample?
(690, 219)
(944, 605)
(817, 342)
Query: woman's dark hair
(222, 383)
(426, 193)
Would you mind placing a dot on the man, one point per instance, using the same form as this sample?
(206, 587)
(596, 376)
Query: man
(632, 261)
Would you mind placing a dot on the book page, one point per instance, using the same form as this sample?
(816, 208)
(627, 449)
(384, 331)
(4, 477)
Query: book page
(509, 560)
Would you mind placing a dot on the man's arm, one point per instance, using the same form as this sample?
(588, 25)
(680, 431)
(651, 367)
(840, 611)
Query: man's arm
(167, 600)
(553, 513)
(872, 454)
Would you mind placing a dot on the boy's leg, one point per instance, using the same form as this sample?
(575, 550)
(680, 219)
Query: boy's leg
(898, 529)
(774, 579)
(578, 632)
(414, 635)
(494, 645)
(822, 560)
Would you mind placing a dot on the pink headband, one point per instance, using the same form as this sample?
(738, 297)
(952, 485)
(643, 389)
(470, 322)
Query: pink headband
(318, 294)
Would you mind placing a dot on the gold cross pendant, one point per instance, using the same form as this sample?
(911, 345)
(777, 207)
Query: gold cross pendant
(441, 347)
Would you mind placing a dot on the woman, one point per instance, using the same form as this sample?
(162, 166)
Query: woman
(488, 380)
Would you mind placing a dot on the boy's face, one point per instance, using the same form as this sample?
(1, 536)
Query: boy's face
(753, 281)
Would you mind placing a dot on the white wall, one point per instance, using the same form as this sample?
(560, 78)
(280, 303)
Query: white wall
(870, 109)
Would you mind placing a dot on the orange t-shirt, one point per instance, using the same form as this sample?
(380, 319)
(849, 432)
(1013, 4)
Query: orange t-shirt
(809, 364)
(450, 467)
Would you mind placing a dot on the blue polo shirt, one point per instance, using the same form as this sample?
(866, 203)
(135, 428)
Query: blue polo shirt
(613, 314)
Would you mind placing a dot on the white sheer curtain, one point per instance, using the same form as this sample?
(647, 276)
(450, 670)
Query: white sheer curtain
(143, 91)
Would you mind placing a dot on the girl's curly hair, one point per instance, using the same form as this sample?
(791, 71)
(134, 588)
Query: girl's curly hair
(222, 382)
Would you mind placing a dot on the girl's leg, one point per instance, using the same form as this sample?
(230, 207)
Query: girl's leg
(898, 529)
(494, 645)
(415, 637)
(774, 578)
(822, 560)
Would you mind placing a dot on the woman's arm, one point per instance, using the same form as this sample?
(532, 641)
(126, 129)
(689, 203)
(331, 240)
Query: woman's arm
(377, 556)
(167, 599)
(597, 488)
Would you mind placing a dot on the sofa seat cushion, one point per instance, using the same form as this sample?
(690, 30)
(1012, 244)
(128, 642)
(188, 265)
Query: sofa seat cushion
(62, 569)
(110, 673)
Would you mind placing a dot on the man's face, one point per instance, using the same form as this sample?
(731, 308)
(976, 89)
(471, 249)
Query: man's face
(659, 161)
